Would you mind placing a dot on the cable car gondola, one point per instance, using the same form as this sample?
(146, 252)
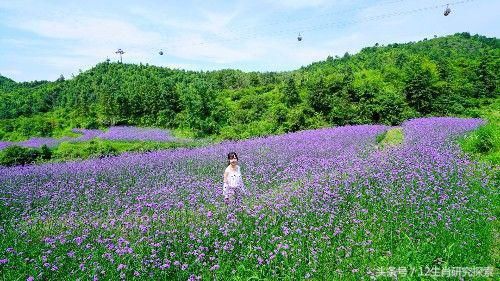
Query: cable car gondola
(299, 38)
(447, 11)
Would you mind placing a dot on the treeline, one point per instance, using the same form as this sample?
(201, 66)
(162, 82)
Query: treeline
(449, 75)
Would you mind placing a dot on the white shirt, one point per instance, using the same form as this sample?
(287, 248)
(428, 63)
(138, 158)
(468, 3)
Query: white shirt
(234, 177)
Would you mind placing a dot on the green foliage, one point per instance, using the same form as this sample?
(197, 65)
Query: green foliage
(104, 148)
(202, 110)
(6, 84)
(290, 93)
(83, 150)
(391, 109)
(45, 153)
(421, 89)
(343, 112)
(449, 75)
(56, 124)
(96, 148)
(485, 139)
(297, 119)
(484, 142)
(17, 155)
(380, 137)
(390, 137)
(323, 92)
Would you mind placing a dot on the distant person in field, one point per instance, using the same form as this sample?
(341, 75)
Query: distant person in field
(233, 182)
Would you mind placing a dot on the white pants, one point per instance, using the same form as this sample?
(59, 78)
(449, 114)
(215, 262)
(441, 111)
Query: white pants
(230, 191)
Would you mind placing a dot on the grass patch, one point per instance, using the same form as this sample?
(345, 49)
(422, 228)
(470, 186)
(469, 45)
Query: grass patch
(101, 148)
(392, 137)
(95, 148)
(484, 142)
(484, 145)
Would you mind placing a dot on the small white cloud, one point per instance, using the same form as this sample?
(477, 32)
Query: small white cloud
(194, 47)
(10, 72)
(297, 4)
(81, 42)
(91, 29)
(258, 35)
(64, 62)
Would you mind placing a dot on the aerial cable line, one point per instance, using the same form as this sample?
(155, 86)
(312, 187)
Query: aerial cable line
(295, 19)
(327, 25)
(165, 50)
(384, 16)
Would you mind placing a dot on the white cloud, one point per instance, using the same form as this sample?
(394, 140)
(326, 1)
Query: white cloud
(298, 4)
(81, 42)
(208, 21)
(194, 47)
(91, 29)
(64, 62)
(259, 35)
(10, 72)
(218, 23)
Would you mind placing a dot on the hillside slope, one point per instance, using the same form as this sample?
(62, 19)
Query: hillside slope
(443, 76)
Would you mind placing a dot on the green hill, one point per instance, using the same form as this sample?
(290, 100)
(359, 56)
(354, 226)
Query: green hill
(442, 76)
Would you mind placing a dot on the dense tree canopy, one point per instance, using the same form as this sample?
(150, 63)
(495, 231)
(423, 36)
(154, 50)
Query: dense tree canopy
(381, 84)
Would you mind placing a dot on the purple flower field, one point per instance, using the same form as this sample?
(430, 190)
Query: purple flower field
(134, 133)
(4, 144)
(87, 134)
(323, 204)
(114, 133)
(39, 142)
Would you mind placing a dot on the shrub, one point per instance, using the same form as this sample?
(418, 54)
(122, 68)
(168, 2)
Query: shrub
(93, 148)
(45, 152)
(18, 155)
(481, 140)
(484, 142)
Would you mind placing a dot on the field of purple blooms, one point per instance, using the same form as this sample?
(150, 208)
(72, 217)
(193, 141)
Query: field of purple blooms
(323, 204)
(122, 133)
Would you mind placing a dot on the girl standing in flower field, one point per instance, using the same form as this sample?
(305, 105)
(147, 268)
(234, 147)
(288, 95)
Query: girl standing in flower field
(233, 182)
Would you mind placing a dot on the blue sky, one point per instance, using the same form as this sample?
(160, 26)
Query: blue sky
(40, 40)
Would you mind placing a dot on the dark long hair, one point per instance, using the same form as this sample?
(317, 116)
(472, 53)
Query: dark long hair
(231, 155)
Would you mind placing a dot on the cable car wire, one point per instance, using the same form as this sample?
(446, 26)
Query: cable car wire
(290, 19)
(300, 37)
(328, 25)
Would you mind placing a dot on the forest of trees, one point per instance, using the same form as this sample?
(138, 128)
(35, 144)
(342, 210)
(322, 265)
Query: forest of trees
(442, 76)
